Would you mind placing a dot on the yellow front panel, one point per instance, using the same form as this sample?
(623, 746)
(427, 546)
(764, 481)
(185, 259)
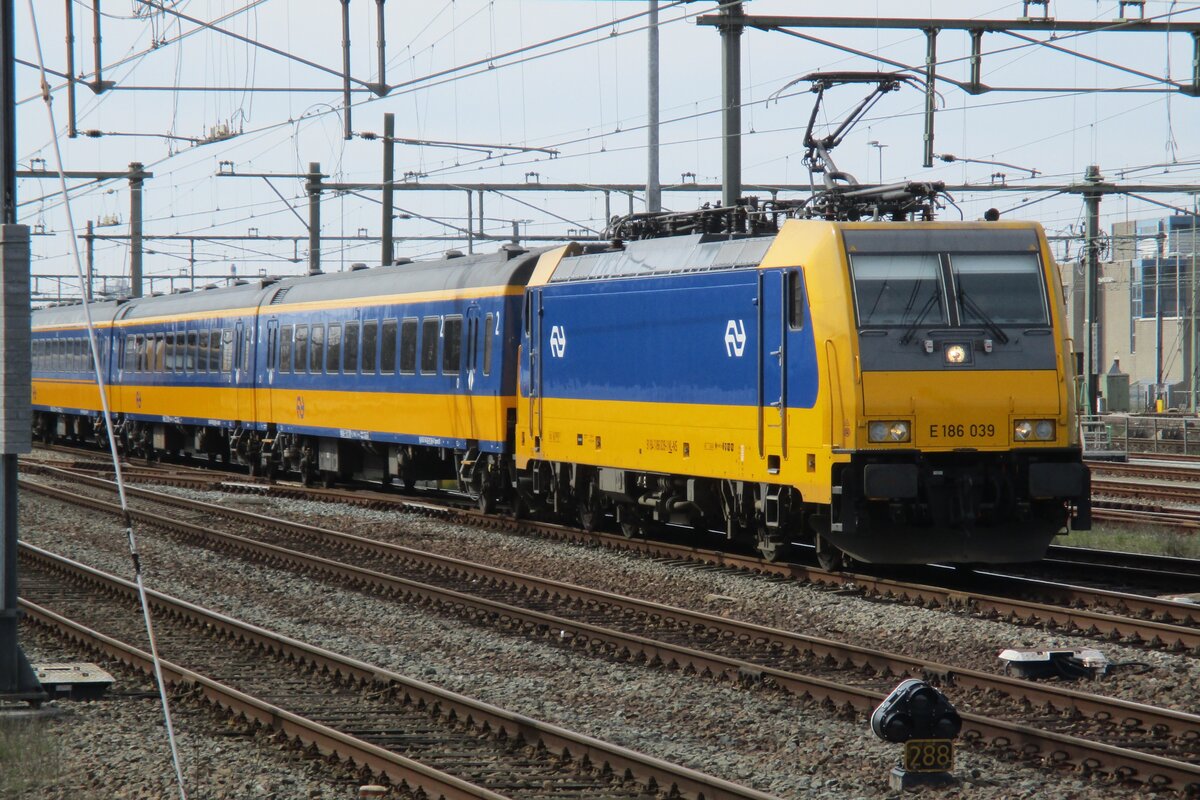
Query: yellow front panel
(949, 410)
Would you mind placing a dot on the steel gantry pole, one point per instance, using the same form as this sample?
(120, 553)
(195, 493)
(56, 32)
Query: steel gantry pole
(388, 251)
(313, 187)
(1091, 301)
(731, 93)
(930, 93)
(17, 678)
(653, 187)
(136, 177)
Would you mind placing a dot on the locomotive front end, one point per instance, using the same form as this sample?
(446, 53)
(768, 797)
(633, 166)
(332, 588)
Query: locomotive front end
(966, 447)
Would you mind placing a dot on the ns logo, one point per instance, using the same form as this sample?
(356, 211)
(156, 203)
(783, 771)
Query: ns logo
(735, 338)
(558, 341)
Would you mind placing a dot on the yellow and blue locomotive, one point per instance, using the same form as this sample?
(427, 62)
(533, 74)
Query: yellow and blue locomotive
(897, 392)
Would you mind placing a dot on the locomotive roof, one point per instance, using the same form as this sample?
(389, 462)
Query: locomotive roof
(696, 253)
(502, 268)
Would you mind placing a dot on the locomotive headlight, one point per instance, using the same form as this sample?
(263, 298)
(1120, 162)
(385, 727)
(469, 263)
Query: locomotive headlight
(888, 431)
(1030, 430)
(956, 354)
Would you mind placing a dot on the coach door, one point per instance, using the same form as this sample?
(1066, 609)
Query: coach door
(471, 334)
(243, 372)
(262, 392)
(772, 367)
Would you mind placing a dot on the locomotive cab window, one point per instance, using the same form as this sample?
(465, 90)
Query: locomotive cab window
(899, 289)
(408, 346)
(452, 346)
(1000, 289)
(429, 345)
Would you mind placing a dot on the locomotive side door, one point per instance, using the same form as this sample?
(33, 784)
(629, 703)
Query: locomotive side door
(533, 323)
(772, 367)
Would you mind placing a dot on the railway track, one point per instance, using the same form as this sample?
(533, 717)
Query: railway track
(417, 735)
(1141, 618)
(1130, 740)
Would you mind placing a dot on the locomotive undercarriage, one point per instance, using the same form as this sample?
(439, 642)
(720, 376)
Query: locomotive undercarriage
(962, 508)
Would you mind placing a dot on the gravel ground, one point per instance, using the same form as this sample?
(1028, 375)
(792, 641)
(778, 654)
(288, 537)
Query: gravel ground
(773, 742)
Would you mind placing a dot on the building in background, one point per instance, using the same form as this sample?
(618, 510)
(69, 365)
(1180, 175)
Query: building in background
(1148, 300)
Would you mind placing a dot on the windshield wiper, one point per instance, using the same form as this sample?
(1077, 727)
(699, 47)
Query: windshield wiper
(974, 308)
(911, 331)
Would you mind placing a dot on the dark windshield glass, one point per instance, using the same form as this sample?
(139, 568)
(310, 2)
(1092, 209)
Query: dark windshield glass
(999, 289)
(898, 289)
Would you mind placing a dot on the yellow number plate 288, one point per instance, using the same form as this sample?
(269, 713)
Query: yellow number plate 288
(929, 755)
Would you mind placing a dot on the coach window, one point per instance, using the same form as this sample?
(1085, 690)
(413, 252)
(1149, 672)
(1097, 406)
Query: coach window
(333, 349)
(226, 350)
(285, 348)
(370, 332)
(202, 352)
(429, 343)
(408, 346)
(214, 350)
(795, 300)
(316, 349)
(300, 358)
(191, 359)
(350, 345)
(452, 346)
(160, 352)
(488, 321)
(387, 347)
(169, 360)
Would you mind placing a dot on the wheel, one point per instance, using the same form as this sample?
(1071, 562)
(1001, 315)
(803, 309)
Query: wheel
(485, 501)
(591, 507)
(830, 557)
(631, 526)
(773, 545)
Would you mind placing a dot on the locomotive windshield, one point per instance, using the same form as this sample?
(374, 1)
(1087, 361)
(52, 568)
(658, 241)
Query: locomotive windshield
(948, 289)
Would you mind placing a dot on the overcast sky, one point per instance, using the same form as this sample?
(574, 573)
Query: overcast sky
(584, 96)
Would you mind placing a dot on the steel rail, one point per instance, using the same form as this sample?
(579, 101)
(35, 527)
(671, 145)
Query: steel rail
(646, 769)
(585, 634)
(1151, 631)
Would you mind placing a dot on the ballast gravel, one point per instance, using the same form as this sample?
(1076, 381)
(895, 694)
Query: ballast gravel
(773, 742)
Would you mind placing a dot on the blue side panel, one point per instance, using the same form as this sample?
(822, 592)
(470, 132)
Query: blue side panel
(692, 338)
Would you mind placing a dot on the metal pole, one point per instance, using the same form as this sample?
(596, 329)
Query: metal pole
(1091, 316)
(1192, 313)
(71, 132)
(731, 92)
(389, 183)
(135, 227)
(470, 222)
(313, 187)
(1158, 323)
(382, 88)
(653, 187)
(930, 94)
(347, 130)
(98, 85)
(192, 265)
(17, 679)
(481, 228)
(976, 84)
(89, 240)
(516, 232)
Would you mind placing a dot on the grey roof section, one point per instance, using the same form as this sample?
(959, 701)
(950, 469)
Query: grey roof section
(222, 299)
(941, 240)
(665, 256)
(503, 268)
(102, 314)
